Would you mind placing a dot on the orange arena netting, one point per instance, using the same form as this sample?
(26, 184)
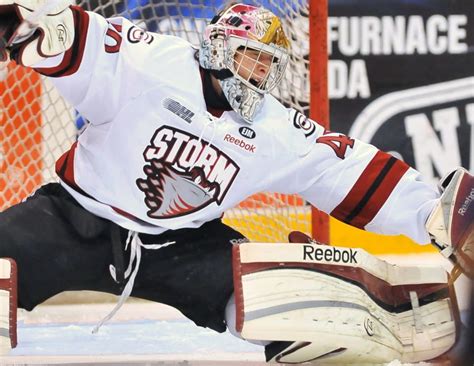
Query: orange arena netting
(20, 135)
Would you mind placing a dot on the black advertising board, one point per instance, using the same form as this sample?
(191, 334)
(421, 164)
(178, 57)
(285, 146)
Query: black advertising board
(401, 76)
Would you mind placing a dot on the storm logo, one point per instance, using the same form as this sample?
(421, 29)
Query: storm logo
(183, 174)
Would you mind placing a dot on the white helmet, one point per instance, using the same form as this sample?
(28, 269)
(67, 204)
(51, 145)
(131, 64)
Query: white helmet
(247, 51)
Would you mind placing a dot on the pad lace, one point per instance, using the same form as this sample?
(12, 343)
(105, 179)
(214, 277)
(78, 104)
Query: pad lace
(131, 273)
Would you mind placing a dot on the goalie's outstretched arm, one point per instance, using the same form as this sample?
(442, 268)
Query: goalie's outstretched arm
(52, 43)
(372, 190)
(89, 58)
(32, 31)
(367, 188)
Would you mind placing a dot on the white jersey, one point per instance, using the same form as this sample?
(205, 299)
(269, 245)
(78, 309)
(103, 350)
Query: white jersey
(153, 158)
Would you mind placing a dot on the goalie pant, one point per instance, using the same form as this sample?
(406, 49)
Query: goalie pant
(59, 246)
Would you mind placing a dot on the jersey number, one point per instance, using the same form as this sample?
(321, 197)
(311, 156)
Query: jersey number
(339, 143)
(113, 39)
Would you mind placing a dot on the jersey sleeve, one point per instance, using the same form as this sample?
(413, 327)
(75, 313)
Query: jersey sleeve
(111, 61)
(364, 187)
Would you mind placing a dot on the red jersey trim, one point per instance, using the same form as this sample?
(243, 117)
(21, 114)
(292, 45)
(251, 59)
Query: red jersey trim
(371, 190)
(73, 57)
(65, 171)
(126, 214)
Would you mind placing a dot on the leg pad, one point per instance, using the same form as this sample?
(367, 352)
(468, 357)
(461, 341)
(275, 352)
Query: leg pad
(330, 304)
(8, 305)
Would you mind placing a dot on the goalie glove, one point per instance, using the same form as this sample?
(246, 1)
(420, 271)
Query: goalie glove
(35, 30)
(451, 224)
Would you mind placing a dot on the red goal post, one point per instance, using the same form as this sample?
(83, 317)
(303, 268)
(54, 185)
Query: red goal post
(37, 125)
(319, 97)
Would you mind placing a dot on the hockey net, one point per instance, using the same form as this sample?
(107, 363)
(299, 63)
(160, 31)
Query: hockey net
(37, 125)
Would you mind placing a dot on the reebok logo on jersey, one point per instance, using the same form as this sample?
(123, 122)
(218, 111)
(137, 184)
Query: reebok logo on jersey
(178, 109)
(240, 143)
(183, 174)
(319, 253)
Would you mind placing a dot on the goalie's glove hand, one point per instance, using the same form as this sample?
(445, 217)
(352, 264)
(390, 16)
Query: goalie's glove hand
(451, 224)
(36, 29)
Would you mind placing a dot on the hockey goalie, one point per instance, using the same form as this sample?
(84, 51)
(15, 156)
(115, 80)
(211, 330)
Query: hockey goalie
(138, 206)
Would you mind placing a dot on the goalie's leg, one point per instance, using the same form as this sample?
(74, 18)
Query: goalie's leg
(8, 305)
(57, 246)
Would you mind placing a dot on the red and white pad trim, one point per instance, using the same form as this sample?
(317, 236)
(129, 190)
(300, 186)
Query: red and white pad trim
(8, 305)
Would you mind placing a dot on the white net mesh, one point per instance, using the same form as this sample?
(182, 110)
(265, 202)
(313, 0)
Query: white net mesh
(37, 125)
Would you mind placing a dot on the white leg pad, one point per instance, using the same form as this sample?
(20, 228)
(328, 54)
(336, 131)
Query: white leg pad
(8, 305)
(341, 305)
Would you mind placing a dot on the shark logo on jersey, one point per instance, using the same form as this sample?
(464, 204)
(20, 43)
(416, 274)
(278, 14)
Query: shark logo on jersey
(183, 174)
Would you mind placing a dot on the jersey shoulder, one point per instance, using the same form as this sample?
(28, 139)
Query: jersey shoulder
(155, 53)
(280, 116)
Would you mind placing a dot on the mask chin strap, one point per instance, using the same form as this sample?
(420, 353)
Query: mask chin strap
(221, 74)
(214, 99)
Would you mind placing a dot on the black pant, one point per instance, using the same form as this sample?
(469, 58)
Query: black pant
(59, 246)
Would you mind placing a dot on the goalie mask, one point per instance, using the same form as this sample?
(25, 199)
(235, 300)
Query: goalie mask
(246, 49)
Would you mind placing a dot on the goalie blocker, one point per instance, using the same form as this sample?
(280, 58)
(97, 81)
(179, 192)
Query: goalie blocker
(341, 305)
(8, 305)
